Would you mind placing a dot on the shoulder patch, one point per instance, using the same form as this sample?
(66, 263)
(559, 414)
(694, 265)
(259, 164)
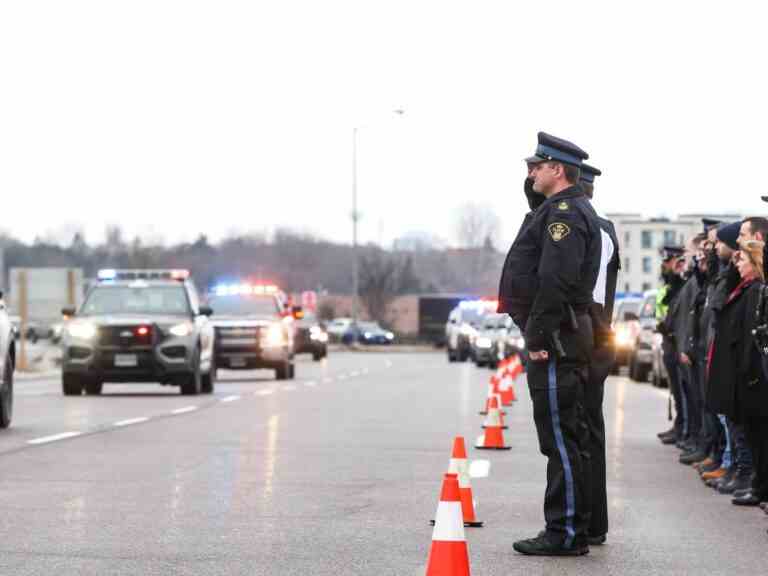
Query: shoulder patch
(558, 230)
(563, 205)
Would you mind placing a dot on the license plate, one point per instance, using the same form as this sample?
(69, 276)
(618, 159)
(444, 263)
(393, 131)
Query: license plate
(126, 360)
(237, 362)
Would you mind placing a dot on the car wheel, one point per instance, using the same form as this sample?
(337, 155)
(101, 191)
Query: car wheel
(317, 356)
(71, 385)
(281, 372)
(291, 371)
(6, 395)
(93, 387)
(451, 356)
(192, 382)
(208, 380)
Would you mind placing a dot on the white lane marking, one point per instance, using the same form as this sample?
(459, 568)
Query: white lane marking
(388, 364)
(479, 469)
(289, 387)
(264, 392)
(310, 384)
(342, 377)
(53, 438)
(229, 399)
(184, 410)
(130, 421)
(327, 380)
(354, 374)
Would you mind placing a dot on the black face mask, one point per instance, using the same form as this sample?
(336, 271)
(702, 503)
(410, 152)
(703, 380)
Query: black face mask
(534, 198)
(713, 264)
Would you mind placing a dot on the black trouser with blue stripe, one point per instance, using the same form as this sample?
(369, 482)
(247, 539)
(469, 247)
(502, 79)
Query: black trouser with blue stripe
(599, 368)
(557, 388)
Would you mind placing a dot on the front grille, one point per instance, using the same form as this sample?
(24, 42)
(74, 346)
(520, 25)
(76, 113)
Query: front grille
(234, 339)
(175, 351)
(79, 353)
(126, 336)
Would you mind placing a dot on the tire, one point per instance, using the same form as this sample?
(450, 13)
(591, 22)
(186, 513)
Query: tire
(6, 395)
(291, 371)
(451, 356)
(191, 384)
(632, 369)
(93, 387)
(317, 356)
(642, 373)
(281, 372)
(208, 380)
(71, 385)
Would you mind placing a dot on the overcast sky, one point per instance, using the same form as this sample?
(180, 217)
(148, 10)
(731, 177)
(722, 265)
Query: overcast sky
(173, 118)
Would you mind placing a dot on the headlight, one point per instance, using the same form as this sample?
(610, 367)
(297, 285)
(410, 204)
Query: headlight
(181, 330)
(82, 330)
(389, 336)
(483, 342)
(274, 337)
(467, 330)
(519, 342)
(623, 337)
(368, 335)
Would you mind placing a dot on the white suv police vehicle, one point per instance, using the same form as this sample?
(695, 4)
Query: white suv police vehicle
(254, 328)
(139, 326)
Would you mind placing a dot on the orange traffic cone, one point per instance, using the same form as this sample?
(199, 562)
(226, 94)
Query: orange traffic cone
(493, 437)
(489, 422)
(511, 370)
(493, 389)
(449, 555)
(458, 465)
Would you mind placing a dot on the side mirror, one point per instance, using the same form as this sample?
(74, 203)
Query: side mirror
(68, 312)
(206, 310)
(630, 316)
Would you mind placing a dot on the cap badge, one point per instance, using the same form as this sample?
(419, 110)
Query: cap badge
(558, 231)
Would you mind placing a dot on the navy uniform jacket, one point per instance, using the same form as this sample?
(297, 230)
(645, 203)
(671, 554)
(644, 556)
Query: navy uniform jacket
(553, 262)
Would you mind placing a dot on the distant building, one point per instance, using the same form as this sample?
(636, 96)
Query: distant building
(641, 238)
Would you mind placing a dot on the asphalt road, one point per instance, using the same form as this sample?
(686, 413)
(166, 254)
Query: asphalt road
(337, 472)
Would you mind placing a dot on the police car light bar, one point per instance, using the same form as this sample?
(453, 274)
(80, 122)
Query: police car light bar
(244, 289)
(142, 274)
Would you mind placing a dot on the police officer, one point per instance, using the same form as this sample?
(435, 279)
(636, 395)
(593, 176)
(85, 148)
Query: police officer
(602, 360)
(547, 286)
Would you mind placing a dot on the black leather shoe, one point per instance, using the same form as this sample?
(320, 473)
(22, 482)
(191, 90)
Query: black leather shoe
(748, 499)
(669, 440)
(724, 481)
(710, 468)
(669, 432)
(739, 481)
(740, 493)
(597, 540)
(542, 545)
(692, 457)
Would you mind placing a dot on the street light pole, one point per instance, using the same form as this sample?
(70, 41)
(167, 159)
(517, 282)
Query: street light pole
(355, 264)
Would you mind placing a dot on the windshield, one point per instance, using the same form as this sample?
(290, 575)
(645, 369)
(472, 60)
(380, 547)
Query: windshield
(166, 300)
(625, 306)
(243, 305)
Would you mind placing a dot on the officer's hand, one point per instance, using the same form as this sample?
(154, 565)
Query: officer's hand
(539, 356)
(684, 358)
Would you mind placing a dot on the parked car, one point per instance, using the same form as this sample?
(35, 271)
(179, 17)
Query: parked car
(7, 365)
(367, 333)
(626, 327)
(310, 337)
(641, 354)
(337, 327)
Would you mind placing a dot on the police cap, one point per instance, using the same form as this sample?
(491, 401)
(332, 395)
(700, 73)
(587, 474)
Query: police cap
(589, 173)
(710, 223)
(670, 252)
(553, 149)
(728, 234)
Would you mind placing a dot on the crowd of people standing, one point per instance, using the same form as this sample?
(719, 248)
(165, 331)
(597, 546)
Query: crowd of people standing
(710, 312)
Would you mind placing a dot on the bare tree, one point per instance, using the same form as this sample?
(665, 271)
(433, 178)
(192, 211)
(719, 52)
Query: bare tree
(477, 225)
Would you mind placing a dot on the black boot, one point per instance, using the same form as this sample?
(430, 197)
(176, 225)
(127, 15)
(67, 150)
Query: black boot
(548, 544)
